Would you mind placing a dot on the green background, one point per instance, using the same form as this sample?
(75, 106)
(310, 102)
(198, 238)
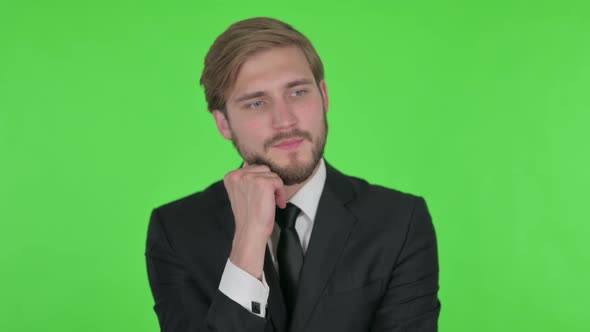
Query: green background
(482, 107)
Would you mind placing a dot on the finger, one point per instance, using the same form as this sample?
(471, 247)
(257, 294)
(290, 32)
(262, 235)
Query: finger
(256, 168)
(280, 200)
(280, 194)
(266, 175)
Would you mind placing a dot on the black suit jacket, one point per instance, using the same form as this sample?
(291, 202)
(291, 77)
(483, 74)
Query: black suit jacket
(371, 264)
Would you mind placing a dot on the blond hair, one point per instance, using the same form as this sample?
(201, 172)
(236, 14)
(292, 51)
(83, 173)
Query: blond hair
(239, 42)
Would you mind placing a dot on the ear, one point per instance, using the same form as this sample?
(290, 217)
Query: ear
(222, 124)
(324, 91)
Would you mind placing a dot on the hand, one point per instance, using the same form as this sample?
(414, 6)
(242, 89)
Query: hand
(254, 192)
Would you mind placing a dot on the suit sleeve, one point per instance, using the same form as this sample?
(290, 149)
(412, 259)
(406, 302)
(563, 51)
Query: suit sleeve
(410, 303)
(181, 306)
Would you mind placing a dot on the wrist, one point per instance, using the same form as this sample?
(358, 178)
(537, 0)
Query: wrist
(248, 252)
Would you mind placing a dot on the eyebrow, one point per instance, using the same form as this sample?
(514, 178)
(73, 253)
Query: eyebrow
(262, 93)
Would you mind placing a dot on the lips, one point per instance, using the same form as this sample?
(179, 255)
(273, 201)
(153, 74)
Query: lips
(289, 145)
(288, 142)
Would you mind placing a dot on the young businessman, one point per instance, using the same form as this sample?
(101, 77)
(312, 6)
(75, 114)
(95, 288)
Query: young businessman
(286, 242)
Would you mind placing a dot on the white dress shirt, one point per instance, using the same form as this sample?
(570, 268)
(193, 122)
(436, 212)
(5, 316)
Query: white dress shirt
(244, 288)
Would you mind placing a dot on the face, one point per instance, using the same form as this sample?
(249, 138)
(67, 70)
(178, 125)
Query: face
(276, 114)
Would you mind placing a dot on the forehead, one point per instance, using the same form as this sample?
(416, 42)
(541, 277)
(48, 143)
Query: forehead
(270, 69)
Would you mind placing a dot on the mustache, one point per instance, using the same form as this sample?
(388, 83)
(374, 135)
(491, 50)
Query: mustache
(283, 136)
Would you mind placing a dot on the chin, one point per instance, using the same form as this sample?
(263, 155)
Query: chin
(294, 172)
(291, 158)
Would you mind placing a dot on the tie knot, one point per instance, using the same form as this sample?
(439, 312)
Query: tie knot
(286, 217)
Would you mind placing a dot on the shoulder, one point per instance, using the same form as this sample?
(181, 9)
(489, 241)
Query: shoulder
(381, 202)
(376, 195)
(365, 190)
(202, 203)
(191, 223)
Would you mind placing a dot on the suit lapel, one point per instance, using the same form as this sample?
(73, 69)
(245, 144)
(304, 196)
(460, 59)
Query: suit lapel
(331, 229)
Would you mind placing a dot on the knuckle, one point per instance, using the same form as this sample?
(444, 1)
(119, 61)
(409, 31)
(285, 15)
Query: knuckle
(260, 181)
(229, 177)
(248, 177)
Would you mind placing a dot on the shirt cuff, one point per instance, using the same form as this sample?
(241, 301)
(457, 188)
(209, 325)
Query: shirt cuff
(244, 289)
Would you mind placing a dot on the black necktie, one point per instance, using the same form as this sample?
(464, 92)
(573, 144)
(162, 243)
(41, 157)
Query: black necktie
(289, 255)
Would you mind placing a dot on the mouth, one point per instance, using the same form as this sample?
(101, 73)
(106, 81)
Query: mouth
(290, 144)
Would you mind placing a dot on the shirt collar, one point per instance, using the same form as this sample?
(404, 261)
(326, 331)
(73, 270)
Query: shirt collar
(308, 197)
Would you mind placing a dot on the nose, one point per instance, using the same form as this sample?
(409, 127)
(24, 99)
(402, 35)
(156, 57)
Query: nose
(283, 115)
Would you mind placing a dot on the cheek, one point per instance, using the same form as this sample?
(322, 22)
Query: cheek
(308, 112)
(314, 118)
(253, 133)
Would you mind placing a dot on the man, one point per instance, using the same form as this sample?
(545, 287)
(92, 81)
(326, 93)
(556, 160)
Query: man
(286, 242)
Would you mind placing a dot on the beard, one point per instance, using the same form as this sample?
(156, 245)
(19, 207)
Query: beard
(296, 172)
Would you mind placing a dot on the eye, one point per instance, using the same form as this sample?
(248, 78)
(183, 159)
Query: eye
(255, 105)
(299, 93)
